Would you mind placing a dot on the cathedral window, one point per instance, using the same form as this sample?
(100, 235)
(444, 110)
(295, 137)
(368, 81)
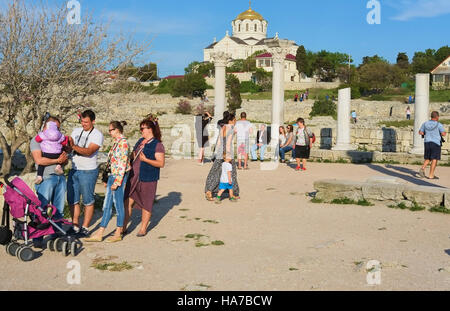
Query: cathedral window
(246, 27)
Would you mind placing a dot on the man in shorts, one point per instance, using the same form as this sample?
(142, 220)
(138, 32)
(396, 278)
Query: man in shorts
(243, 130)
(433, 131)
(85, 143)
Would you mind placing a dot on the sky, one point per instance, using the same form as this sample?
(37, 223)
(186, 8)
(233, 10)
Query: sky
(180, 29)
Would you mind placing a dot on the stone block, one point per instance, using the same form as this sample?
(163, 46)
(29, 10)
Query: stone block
(447, 199)
(425, 196)
(382, 192)
(328, 190)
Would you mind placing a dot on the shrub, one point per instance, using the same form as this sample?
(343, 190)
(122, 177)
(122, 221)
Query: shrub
(250, 87)
(184, 107)
(324, 108)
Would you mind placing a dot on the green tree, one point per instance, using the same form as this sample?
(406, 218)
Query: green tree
(373, 59)
(424, 62)
(147, 72)
(301, 60)
(442, 54)
(205, 68)
(403, 61)
(234, 97)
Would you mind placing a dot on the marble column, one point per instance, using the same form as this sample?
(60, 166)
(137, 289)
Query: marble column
(220, 60)
(421, 110)
(279, 49)
(343, 122)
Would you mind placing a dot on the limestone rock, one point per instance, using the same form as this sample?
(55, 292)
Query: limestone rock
(331, 189)
(382, 192)
(425, 196)
(447, 199)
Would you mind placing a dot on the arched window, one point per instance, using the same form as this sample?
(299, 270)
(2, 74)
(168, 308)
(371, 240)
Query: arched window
(256, 28)
(239, 28)
(246, 27)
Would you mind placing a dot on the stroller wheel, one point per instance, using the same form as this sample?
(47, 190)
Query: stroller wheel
(65, 248)
(74, 249)
(25, 254)
(12, 248)
(58, 244)
(51, 245)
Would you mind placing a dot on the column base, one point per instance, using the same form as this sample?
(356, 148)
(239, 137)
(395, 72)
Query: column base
(417, 150)
(344, 147)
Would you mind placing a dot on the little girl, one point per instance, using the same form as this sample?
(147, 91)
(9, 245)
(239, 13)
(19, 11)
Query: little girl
(52, 143)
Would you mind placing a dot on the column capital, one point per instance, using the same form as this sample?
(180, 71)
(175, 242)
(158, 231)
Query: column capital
(220, 58)
(278, 54)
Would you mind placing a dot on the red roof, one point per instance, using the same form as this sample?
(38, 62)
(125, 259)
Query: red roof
(173, 77)
(268, 55)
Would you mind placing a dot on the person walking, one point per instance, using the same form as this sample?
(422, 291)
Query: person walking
(226, 181)
(119, 166)
(202, 135)
(434, 134)
(354, 117)
(243, 131)
(224, 145)
(303, 144)
(85, 143)
(408, 113)
(148, 158)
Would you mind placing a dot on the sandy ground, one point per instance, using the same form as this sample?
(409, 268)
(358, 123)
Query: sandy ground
(274, 239)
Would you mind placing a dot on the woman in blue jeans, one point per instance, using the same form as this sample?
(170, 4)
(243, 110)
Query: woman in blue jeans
(119, 163)
(288, 145)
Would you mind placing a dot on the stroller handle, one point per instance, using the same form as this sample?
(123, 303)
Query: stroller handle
(8, 183)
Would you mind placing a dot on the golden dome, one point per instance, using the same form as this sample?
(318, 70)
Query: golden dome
(250, 14)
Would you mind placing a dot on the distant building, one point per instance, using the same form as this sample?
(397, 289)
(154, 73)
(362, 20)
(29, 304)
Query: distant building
(248, 37)
(441, 75)
(264, 61)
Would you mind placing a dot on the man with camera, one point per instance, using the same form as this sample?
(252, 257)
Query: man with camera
(434, 134)
(85, 143)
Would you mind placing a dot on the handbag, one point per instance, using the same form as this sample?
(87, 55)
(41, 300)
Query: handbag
(107, 170)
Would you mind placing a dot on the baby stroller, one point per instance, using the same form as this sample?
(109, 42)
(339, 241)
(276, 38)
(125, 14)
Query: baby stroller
(37, 222)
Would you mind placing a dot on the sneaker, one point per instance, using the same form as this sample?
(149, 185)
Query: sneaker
(303, 168)
(218, 200)
(38, 180)
(297, 168)
(292, 160)
(233, 200)
(422, 173)
(83, 233)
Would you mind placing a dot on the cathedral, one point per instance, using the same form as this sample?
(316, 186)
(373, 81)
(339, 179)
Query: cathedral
(249, 35)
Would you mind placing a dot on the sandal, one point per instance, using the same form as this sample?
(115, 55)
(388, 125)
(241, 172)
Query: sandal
(208, 196)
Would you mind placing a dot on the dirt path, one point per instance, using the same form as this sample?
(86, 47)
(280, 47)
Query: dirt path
(274, 239)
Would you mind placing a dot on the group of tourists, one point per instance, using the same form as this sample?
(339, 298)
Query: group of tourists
(302, 97)
(130, 178)
(223, 174)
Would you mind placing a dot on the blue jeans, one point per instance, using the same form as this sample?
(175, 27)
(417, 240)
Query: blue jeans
(286, 149)
(262, 151)
(115, 197)
(52, 190)
(81, 184)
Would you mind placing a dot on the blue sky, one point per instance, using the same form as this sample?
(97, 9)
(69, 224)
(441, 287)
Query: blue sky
(180, 29)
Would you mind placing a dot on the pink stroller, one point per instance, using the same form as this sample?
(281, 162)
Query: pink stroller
(32, 221)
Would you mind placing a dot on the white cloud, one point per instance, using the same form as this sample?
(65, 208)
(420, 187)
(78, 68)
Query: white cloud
(411, 9)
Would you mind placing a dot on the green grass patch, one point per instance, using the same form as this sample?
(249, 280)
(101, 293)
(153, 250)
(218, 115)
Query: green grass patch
(364, 203)
(195, 236)
(184, 210)
(440, 209)
(197, 218)
(293, 269)
(183, 217)
(414, 208)
(162, 237)
(217, 243)
(113, 267)
(344, 201)
(199, 244)
(340, 160)
(211, 221)
(317, 201)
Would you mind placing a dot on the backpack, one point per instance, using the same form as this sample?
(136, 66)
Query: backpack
(313, 136)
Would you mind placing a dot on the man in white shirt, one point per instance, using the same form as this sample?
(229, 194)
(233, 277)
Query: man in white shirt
(85, 143)
(243, 130)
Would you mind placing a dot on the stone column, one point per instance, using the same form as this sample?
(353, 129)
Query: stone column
(421, 110)
(220, 60)
(343, 123)
(279, 49)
